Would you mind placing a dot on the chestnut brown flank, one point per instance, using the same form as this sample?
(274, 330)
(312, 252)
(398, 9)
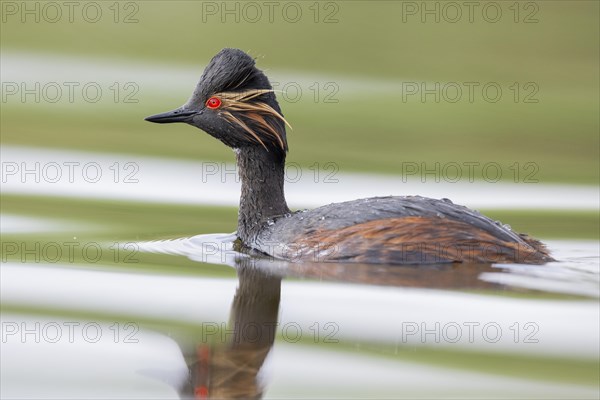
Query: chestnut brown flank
(415, 240)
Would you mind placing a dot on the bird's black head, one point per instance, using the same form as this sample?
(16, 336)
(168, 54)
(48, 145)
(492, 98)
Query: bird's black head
(235, 103)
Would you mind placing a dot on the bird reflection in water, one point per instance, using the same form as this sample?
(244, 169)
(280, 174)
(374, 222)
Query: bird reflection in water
(229, 369)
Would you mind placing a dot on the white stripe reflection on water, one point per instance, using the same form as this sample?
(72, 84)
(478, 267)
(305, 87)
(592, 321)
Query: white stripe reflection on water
(168, 181)
(342, 375)
(85, 366)
(154, 368)
(30, 68)
(17, 224)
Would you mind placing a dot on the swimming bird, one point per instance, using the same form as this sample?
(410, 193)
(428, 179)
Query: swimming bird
(235, 103)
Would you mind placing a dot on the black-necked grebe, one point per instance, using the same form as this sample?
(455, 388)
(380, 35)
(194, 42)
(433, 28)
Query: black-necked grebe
(234, 102)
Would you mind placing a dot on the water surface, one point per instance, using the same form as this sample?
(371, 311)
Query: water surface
(281, 329)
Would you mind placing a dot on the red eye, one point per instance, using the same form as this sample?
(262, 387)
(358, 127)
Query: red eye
(213, 102)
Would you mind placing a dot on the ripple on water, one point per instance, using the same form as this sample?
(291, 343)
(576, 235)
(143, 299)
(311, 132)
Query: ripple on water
(576, 272)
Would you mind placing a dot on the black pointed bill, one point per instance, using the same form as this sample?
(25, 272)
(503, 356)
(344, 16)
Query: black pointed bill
(179, 115)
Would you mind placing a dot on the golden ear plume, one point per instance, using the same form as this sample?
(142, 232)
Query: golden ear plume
(254, 111)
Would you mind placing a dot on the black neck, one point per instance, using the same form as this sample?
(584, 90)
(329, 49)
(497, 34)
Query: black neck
(262, 175)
